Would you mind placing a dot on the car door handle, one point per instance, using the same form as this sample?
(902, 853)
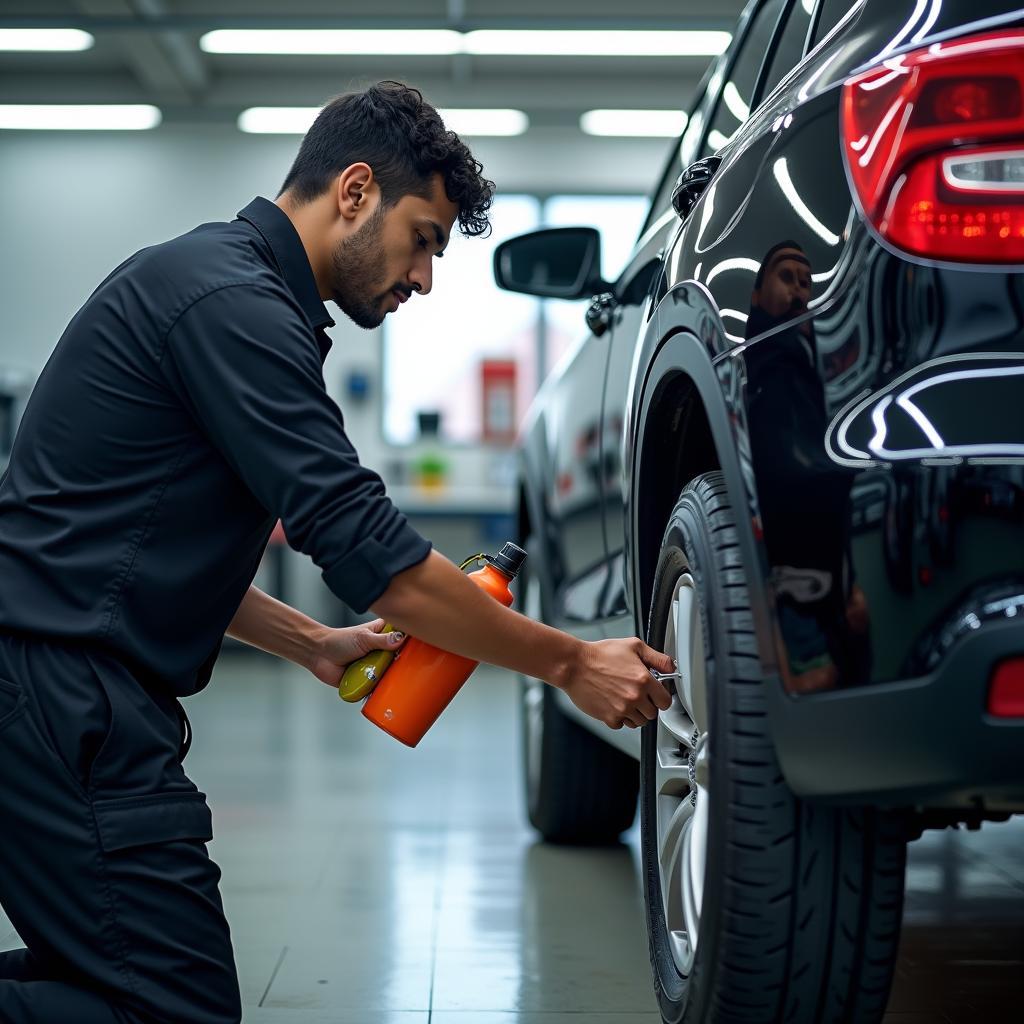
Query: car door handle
(692, 182)
(600, 313)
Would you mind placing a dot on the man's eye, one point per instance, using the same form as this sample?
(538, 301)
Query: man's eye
(421, 241)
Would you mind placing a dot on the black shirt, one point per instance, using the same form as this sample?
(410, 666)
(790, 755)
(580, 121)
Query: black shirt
(181, 414)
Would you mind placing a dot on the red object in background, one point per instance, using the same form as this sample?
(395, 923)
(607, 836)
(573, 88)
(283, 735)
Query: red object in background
(498, 394)
(277, 536)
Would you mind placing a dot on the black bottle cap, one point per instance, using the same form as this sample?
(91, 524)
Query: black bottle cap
(509, 559)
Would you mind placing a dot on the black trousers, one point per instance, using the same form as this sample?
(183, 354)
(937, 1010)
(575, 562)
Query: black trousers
(103, 863)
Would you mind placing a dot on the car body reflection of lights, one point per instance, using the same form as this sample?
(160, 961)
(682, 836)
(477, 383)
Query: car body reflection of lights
(734, 263)
(705, 214)
(781, 170)
(926, 12)
(940, 446)
(805, 89)
(734, 314)
(896, 68)
(718, 140)
(734, 101)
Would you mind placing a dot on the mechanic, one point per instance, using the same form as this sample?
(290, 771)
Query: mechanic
(182, 413)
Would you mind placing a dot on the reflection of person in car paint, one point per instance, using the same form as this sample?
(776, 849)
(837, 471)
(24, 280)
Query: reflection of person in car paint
(803, 495)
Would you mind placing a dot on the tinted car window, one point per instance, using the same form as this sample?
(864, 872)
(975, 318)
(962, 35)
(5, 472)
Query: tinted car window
(789, 47)
(830, 14)
(681, 156)
(734, 103)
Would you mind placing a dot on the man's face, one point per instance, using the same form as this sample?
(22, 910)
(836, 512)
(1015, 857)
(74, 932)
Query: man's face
(786, 286)
(377, 268)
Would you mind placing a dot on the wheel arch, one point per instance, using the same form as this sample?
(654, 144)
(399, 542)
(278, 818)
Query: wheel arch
(689, 421)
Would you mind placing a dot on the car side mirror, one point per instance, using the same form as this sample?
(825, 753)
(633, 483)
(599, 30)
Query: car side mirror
(555, 263)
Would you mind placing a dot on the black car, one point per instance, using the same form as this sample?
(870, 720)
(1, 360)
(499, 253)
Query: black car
(791, 453)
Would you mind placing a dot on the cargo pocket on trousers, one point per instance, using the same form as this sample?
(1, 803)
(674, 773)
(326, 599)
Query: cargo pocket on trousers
(153, 818)
(12, 703)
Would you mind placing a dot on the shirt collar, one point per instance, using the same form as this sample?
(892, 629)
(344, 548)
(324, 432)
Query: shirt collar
(277, 229)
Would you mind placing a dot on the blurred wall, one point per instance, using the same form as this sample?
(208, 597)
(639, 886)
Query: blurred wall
(74, 205)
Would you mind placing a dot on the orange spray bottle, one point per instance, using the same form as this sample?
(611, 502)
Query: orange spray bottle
(423, 679)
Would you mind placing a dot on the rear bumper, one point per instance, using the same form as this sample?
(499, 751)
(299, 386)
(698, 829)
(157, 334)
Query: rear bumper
(923, 742)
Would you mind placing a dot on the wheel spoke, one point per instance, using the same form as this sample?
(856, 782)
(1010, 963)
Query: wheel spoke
(682, 797)
(675, 820)
(671, 859)
(678, 724)
(691, 915)
(698, 856)
(690, 654)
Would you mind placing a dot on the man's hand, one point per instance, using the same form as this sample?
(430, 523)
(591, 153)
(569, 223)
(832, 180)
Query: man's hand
(339, 647)
(610, 681)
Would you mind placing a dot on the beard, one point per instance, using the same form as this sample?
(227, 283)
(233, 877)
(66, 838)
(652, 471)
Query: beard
(358, 267)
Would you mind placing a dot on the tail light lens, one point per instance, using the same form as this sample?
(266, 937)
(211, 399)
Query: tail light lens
(934, 141)
(1006, 690)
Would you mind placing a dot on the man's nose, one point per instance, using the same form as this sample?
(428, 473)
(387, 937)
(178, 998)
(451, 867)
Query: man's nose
(421, 279)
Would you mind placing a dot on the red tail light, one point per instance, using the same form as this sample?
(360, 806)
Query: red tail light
(934, 141)
(1006, 691)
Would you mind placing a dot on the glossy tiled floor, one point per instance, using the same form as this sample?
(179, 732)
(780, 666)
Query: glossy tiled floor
(371, 884)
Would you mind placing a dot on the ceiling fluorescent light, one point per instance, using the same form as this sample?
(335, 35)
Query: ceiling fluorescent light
(277, 120)
(332, 41)
(297, 121)
(44, 39)
(78, 117)
(634, 123)
(485, 122)
(595, 43)
(512, 42)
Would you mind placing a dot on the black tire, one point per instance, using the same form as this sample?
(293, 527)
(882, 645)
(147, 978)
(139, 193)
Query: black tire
(578, 788)
(801, 909)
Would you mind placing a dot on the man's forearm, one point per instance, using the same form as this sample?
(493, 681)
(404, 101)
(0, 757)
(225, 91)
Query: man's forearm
(277, 628)
(437, 603)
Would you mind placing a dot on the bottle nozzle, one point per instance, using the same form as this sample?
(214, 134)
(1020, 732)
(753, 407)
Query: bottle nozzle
(509, 559)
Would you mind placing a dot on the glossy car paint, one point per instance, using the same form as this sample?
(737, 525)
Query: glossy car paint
(873, 438)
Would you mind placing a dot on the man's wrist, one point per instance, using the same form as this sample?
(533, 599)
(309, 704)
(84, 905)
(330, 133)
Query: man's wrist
(566, 665)
(314, 643)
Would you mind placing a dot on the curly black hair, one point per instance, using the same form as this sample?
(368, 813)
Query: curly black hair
(402, 137)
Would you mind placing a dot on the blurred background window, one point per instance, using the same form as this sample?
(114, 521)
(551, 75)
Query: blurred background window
(436, 352)
(618, 218)
(466, 363)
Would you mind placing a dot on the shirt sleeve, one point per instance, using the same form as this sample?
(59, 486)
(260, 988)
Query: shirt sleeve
(247, 366)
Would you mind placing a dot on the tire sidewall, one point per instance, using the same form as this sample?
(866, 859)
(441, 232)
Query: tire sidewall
(683, 1000)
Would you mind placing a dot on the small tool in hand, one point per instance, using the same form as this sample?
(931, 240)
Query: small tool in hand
(664, 677)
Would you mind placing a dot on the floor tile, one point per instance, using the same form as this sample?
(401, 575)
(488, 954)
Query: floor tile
(263, 1015)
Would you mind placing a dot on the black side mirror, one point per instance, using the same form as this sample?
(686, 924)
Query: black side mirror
(555, 263)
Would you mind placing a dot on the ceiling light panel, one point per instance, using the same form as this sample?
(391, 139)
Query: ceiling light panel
(485, 122)
(470, 122)
(79, 117)
(634, 123)
(511, 42)
(349, 42)
(38, 40)
(595, 43)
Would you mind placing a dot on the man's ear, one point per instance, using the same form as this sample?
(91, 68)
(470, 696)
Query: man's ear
(355, 189)
(755, 298)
